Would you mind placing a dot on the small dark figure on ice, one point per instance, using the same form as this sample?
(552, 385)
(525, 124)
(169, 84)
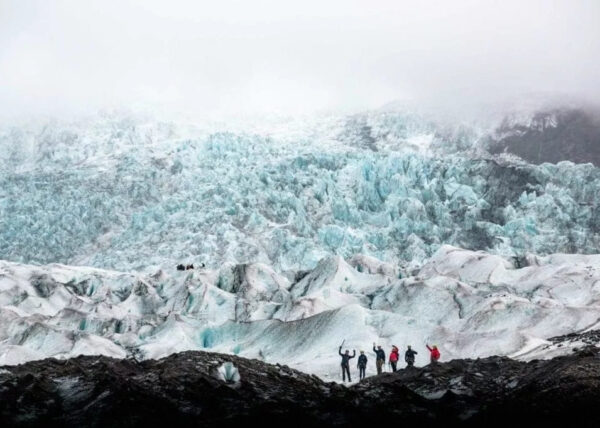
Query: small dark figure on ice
(409, 357)
(380, 358)
(362, 365)
(346, 357)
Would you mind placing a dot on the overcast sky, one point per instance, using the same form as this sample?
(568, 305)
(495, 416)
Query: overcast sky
(283, 56)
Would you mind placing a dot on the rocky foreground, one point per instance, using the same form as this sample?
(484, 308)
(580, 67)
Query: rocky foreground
(198, 388)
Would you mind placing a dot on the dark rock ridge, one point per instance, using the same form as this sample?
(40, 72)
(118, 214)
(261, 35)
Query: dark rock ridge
(552, 136)
(591, 337)
(187, 389)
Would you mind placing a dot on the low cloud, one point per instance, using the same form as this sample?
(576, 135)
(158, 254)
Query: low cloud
(272, 57)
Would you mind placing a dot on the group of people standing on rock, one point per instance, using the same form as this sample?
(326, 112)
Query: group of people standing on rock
(409, 358)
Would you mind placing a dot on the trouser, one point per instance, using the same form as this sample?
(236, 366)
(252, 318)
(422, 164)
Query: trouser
(433, 360)
(346, 370)
(410, 363)
(393, 364)
(379, 364)
(361, 372)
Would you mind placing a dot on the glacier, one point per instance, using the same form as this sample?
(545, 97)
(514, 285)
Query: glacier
(471, 303)
(130, 193)
(383, 226)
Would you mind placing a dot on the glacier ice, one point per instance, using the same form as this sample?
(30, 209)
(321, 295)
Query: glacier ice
(229, 373)
(131, 193)
(371, 227)
(471, 303)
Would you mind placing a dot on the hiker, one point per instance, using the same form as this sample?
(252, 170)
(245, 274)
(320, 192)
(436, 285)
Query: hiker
(180, 267)
(189, 267)
(362, 365)
(409, 356)
(434, 354)
(346, 363)
(394, 357)
(380, 361)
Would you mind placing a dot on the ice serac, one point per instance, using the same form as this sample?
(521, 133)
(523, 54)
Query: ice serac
(130, 193)
(470, 303)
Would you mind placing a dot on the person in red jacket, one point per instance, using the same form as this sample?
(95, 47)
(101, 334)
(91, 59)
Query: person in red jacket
(394, 357)
(434, 354)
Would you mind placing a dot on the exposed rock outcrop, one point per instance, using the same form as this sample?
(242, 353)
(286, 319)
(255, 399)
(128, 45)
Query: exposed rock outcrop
(552, 136)
(189, 389)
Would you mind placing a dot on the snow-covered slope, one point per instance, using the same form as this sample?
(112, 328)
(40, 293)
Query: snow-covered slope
(469, 303)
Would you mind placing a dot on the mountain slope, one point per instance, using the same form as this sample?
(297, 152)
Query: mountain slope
(551, 136)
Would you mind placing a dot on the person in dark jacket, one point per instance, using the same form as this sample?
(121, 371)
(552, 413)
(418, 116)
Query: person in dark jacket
(380, 355)
(409, 356)
(346, 363)
(362, 365)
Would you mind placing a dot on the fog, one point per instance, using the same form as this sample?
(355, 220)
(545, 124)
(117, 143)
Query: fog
(227, 57)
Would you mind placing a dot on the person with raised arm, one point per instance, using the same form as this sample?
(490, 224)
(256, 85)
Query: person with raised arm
(346, 363)
(380, 358)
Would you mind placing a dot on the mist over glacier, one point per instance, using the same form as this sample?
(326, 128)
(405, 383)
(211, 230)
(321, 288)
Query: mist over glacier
(279, 181)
